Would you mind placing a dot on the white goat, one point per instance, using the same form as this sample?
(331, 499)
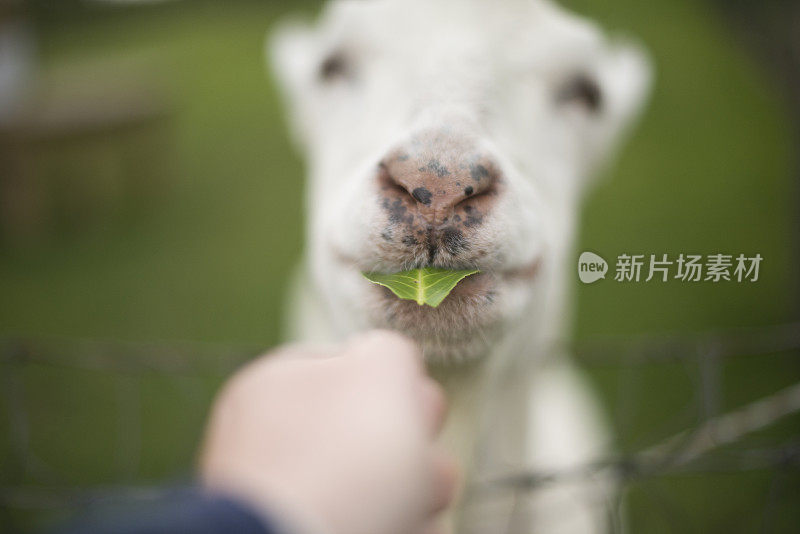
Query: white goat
(462, 133)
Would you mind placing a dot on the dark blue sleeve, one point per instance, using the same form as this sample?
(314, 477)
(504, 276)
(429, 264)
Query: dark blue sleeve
(189, 511)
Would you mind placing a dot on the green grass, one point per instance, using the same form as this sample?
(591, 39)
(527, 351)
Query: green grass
(709, 170)
(209, 260)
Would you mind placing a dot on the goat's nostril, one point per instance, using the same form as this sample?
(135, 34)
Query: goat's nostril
(422, 195)
(468, 190)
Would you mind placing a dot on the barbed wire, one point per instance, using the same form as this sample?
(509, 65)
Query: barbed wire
(702, 447)
(680, 453)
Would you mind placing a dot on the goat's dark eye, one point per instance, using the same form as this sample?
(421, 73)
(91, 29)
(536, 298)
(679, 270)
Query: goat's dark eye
(582, 90)
(334, 66)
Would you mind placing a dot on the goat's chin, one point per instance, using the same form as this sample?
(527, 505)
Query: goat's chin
(439, 351)
(461, 328)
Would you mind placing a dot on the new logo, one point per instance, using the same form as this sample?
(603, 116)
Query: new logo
(591, 267)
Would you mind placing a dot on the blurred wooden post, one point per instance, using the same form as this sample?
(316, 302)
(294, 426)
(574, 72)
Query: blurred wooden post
(98, 127)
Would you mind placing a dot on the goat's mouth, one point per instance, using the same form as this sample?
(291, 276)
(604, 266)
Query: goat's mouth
(527, 271)
(460, 327)
(463, 325)
(471, 294)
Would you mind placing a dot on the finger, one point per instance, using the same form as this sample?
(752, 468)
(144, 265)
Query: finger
(388, 348)
(446, 481)
(255, 370)
(297, 352)
(304, 351)
(434, 405)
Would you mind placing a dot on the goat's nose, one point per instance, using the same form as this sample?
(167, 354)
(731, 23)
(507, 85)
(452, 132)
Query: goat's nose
(438, 174)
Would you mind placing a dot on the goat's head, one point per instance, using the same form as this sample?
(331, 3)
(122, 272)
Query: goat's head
(450, 133)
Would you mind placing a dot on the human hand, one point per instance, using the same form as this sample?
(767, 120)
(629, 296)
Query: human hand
(341, 438)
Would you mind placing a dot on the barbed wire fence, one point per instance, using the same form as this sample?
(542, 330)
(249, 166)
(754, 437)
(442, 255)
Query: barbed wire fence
(715, 441)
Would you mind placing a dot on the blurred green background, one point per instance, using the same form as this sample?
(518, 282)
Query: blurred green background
(180, 220)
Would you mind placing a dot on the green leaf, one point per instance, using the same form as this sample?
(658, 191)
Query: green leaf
(430, 285)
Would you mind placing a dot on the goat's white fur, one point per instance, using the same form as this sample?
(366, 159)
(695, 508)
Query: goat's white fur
(489, 70)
